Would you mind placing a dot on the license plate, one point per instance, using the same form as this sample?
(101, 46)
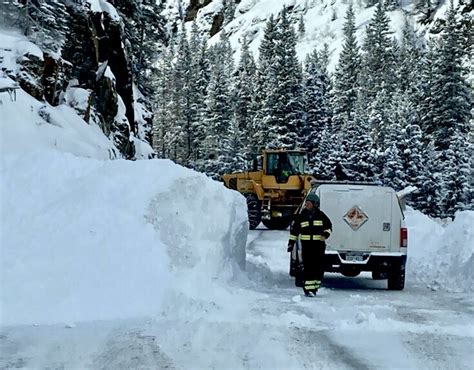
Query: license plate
(354, 258)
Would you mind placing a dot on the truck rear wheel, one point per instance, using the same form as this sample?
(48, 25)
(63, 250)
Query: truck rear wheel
(254, 210)
(280, 223)
(396, 279)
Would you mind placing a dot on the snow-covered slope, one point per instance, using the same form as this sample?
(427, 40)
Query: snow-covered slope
(323, 20)
(83, 237)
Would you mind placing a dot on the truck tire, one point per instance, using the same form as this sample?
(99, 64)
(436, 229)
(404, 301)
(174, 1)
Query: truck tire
(396, 279)
(280, 223)
(254, 210)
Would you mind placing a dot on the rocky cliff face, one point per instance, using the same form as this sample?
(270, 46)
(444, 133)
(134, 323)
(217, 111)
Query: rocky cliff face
(93, 59)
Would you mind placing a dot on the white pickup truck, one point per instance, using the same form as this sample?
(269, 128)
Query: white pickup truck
(369, 233)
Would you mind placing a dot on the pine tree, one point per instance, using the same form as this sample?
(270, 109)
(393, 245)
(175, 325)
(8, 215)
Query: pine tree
(219, 113)
(301, 27)
(163, 128)
(244, 92)
(203, 76)
(265, 82)
(316, 93)
(430, 202)
(346, 75)
(457, 175)
(378, 57)
(452, 115)
(451, 92)
(181, 100)
(396, 146)
(358, 151)
(426, 100)
(236, 160)
(285, 95)
(378, 82)
(44, 22)
(409, 143)
(410, 67)
(379, 118)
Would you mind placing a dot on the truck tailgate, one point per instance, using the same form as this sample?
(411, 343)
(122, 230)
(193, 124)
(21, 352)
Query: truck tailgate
(361, 217)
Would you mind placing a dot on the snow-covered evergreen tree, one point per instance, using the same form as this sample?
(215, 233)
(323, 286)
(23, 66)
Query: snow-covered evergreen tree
(451, 92)
(285, 96)
(301, 27)
(394, 173)
(357, 149)
(378, 56)
(219, 114)
(457, 175)
(430, 199)
(410, 144)
(409, 69)
(318, 114)
(163, 126)
(181, 111)
(452, 120)
(203, 76)
(346, 74)
(44, 22)
(244, 96)
(426, 106)
(265, 82)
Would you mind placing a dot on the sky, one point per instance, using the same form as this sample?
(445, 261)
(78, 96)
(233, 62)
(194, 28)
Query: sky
(85, 239)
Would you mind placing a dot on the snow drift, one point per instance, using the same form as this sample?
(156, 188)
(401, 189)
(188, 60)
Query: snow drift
(441, 257)
(83, 238)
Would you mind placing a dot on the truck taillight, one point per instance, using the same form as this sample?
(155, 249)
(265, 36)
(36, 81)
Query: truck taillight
(403, 237)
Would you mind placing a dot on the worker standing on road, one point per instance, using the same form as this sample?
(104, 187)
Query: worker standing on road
(312, 227)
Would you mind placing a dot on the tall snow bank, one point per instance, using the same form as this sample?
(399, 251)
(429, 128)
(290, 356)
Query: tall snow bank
(84, 238)
(441, 257)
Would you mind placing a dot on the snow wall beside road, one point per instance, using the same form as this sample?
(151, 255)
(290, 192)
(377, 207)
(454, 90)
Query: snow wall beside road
(442, 257)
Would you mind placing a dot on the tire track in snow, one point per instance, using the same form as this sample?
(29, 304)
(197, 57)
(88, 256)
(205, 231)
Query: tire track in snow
(132, 350)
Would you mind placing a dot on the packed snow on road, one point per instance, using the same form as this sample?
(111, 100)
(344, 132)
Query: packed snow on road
(146, 264)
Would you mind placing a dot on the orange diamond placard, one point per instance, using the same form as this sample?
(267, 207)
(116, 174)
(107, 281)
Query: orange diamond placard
(355, 217)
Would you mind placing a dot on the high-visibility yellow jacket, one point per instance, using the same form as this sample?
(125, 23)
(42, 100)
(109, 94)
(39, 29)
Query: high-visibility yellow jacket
(310, 226)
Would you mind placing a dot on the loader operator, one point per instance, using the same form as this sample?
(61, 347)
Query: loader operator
(312, 227)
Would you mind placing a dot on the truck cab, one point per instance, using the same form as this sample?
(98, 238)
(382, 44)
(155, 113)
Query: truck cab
(369, 232)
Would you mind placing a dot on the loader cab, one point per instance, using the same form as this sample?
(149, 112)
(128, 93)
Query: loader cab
(283, 164)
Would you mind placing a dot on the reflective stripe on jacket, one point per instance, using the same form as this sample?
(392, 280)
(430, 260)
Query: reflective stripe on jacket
(310, 225)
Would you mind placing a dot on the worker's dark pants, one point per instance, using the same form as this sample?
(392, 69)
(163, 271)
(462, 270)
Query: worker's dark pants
(313, 262)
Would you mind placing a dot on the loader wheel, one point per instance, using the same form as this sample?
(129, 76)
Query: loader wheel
(253, 210)
(280, 223)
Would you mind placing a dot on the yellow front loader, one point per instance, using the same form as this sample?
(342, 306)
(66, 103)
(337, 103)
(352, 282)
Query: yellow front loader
(275, 188)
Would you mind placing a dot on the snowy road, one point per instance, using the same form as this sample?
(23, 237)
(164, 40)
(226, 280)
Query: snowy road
(262, 321)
